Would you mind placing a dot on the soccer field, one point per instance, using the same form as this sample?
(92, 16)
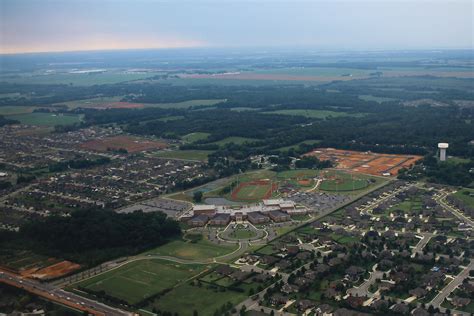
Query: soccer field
(252, 191)
(139, 280)
(200, 250)
(344, 182)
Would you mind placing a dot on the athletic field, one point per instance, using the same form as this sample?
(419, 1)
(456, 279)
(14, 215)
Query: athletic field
(141, 279)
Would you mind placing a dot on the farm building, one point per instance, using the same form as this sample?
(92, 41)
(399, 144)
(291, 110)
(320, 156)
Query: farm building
(205, 209)
(199, 220)
(257, 218)
(278, 216)
(220, 219)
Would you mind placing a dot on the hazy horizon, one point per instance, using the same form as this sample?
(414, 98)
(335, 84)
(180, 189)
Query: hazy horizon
(57, 26)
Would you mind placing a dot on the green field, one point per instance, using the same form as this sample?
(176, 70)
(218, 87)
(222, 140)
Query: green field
(241, 233)
(320, 114)
(109, 77)
(141, 279)
(184, 299)
(341, 181)
(200, 250)
(193, 137)
(46, 119)
(298, 174)
(295, 146)
(185, 104)
(171, 118)
(375, 98)
(344, 185)
(243, 108)
(15, 110)
(235, 140)
(185, 154)
(91, 103)
(251, 192)
(466, 195)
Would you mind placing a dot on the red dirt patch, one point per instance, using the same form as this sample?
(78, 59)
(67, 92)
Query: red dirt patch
(365, 162)
(129, 143)
(304, 182)
(50, 272)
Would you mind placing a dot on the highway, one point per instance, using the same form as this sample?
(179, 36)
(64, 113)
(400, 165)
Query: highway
(60, 296)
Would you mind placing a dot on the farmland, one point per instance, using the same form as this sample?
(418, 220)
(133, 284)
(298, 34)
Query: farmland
(46, 119)
(78, 79)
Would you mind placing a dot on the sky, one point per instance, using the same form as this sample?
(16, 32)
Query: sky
(76, 25)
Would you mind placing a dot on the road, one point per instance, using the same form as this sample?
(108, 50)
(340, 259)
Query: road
(363, 289)
(458, 214)
(444, 293)
(422, 243)
(60, 296)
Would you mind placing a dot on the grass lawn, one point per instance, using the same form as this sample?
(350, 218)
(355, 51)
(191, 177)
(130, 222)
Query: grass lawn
(266, 250)
(186, 298)
(46, 119)
(344, 182)
(242, 233)
(193, 137)
(298, 174)
(466, 195)
(138, 280)
(344, 239)
(200, 250)
(200, 155)
(321, 114)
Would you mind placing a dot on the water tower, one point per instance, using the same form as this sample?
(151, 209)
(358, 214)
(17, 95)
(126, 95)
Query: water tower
(442, 151)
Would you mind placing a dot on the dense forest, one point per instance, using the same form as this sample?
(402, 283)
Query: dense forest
(106, 234)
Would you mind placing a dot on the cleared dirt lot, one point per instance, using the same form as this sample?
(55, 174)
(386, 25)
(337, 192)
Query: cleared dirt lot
(53, 271)
(365, 162)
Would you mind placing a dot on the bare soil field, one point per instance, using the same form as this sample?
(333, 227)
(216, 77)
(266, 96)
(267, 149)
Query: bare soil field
(365, 162)
(53, 271)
